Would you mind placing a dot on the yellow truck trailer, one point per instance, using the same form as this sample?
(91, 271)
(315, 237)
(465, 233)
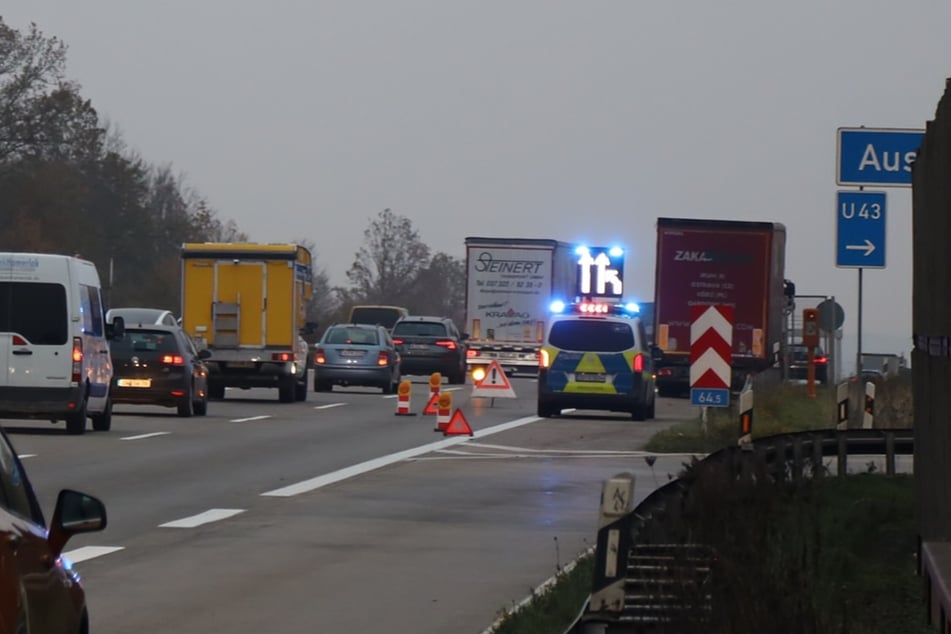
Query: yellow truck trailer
(246, 304)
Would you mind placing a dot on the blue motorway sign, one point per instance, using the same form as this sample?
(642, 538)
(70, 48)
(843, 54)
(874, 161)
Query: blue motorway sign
(710, 397)
(860, 228)
(879, 157)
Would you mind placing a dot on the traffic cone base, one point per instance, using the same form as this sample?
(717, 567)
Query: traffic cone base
(458, 425)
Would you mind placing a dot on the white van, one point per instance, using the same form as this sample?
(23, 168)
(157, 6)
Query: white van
(54, 353)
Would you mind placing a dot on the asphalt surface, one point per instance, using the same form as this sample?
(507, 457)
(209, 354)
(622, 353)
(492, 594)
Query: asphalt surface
(335, 514)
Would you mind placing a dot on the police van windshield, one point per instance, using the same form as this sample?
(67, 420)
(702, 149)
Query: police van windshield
(591, 335)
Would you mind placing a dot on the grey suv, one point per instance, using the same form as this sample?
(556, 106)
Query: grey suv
(431, 344)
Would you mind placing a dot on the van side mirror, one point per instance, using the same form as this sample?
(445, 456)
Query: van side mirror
(116, 329)
(310, 328)
(657, 353)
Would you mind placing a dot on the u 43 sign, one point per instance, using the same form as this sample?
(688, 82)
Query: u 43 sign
(876, 156)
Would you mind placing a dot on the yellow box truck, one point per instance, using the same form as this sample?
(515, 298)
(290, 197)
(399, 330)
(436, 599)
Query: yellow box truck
(246, 303)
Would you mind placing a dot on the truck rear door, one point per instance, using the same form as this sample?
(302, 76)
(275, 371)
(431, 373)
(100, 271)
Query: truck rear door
(239, 303)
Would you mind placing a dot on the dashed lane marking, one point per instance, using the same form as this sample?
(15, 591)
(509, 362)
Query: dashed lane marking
(141, 436)
(312, 484)
(90, 552)
(329, 405)
(21, 456)
(212, 515)
(250, 418)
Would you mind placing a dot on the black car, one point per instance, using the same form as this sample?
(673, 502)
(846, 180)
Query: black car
(798, 356)
(431, 344)
(159, 365)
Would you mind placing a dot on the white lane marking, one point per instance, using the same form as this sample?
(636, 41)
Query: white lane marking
(141, 436)
(90, 552)
(370, 465)
(244, 420)
(21, 456)
(207, 517)
(329, 405)
(625, 452)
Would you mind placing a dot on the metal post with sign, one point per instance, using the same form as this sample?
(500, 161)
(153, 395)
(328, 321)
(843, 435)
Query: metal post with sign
(810, 339)
(880, 157)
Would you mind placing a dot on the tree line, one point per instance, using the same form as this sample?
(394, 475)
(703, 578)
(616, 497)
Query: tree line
(70, 184)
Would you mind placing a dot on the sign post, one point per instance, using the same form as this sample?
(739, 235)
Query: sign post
(810, 339)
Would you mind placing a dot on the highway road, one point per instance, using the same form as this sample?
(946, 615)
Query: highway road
(334, 514)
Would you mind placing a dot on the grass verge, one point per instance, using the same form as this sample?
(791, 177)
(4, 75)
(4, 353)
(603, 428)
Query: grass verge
(839, 556)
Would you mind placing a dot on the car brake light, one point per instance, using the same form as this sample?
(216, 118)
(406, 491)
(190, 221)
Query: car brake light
(19, 341)
(543, 359)
(638, 363)
(383, 358)
(470, 353)
(173, 359)
(821, 360)
(398, 342)
(281, 356)
(319, 356)
(448, 344)
(77, 360)
(664, 372)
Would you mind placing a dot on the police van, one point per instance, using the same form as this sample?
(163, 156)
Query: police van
(596, 356)
(54, 351)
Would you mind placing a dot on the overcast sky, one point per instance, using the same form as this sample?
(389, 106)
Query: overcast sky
(579, 121)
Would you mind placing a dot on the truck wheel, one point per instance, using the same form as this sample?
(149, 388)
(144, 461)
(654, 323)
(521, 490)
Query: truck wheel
(103, 421)
(286, 388)
(76, 422)
(216, 390)
(300, 390)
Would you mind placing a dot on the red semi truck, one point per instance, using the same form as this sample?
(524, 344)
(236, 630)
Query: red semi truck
(737, 263)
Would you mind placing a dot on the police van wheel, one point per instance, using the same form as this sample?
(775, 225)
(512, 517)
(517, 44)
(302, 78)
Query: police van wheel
(639, 411)
(216, 390)
(545, 410)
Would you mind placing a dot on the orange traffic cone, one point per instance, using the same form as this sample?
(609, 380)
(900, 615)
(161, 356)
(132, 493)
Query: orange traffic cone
(444, 411)
(402, 399)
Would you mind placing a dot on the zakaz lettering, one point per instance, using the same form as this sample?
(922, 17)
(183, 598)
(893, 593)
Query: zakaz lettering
(485, 263)
(712, 256)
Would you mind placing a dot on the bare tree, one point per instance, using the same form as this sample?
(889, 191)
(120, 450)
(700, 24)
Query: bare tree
(386, 266)
(440, 289)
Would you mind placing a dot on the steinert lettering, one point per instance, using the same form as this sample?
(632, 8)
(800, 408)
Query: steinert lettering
(485, 263)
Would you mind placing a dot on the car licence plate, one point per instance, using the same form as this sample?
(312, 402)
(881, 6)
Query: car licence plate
(587, 377)
(418, 346)
(352, 353)
(135, 382)
(241, 364)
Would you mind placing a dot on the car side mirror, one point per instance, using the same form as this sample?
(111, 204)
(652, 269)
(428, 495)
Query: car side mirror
(657, 353)
(75, 513)
(204, 353)
(310, 328)
(116, 329)
(463, 336)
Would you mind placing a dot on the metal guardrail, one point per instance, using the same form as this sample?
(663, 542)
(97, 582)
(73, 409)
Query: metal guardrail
(796, 456)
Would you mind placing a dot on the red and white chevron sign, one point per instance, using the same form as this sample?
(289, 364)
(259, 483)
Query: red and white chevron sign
(711, 346)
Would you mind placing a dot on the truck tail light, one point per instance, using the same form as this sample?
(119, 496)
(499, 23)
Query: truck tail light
(282, 356)
(449, 344)
(320, 357)
(383, 358)
(821, 360)
(638, 364)
(544, 360)
(397, 342)
(77, 371)
(173, 359)
(472, 354)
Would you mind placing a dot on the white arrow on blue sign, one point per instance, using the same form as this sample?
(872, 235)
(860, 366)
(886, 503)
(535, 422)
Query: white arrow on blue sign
(877, 157)
(860, 225)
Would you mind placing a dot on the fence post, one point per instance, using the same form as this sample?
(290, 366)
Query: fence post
(842, 405)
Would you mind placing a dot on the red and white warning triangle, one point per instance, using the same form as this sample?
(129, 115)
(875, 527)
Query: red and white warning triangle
(494, 384)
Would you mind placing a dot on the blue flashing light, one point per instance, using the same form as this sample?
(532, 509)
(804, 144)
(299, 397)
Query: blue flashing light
(632, 307)
(557, 306)
(616, 252)
(582, 250)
